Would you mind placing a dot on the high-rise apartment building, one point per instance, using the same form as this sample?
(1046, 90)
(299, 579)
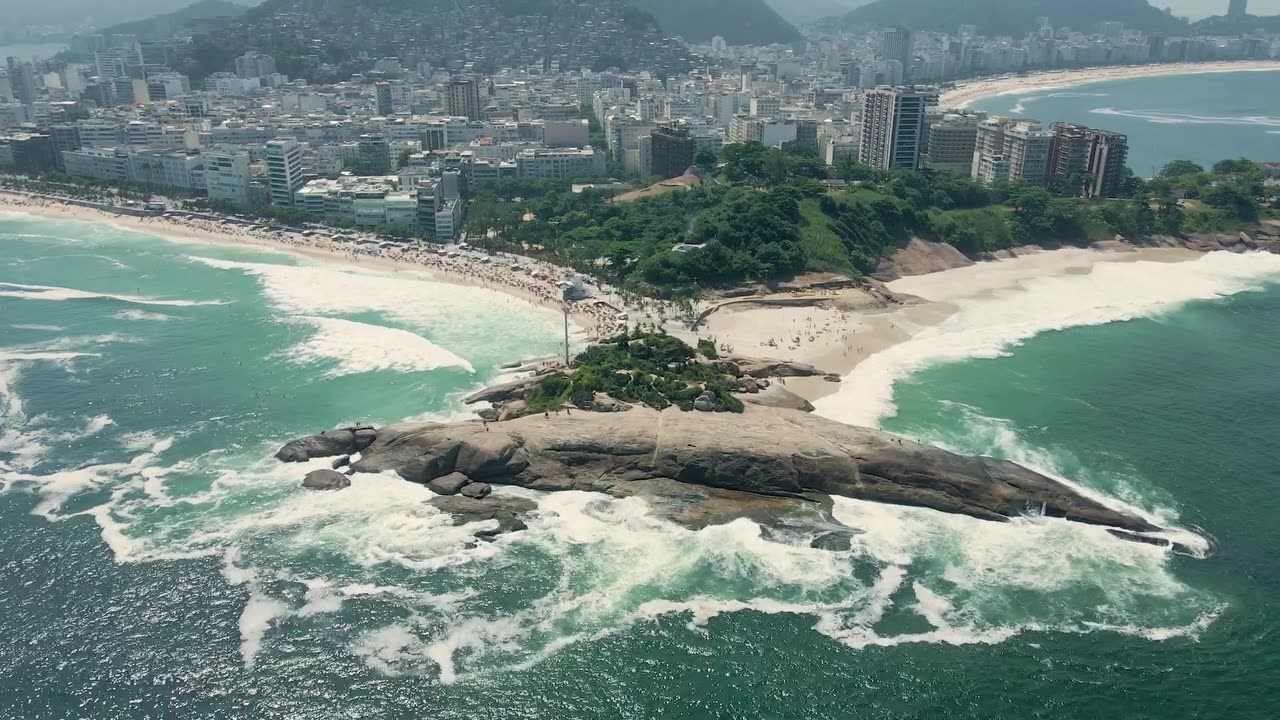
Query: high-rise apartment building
(1068, 152)
(463, 99)
(896, 44)
(382, 94)
(1013, 150)
(893, 126)
(1238, 8)
(1108, 154)
(375, 154)
(672, 150)
(22, 81)
(1096, 157)
(284, 170)
(255, 65)
(119, 63)
(949, 144)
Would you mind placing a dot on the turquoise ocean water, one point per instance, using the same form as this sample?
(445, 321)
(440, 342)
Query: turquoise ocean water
(1203, 118)
(156, 563)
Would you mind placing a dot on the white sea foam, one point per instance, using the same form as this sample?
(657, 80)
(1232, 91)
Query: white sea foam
(1172, 118)
(141, 315)
(49, 328)
(361, 347)
(54, 293)
(985, 326)
(458, 316)
(23, 439)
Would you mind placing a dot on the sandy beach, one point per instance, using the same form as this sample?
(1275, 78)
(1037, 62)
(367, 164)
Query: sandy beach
(970, 91)
(535, 282)
(841, 332)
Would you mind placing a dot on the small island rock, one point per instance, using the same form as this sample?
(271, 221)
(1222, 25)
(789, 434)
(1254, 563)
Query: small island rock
(325, 480)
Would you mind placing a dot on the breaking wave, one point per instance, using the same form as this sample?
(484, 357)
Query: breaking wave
(361, 347)
(1173, 118)
(53, 293)
(986, 326)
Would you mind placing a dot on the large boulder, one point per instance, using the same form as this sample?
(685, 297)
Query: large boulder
(477, 490)
(344, 441)
(777, 396)
(325, 480)
(449, 484)
(764, 451)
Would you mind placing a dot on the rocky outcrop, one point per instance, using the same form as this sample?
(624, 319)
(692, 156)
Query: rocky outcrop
(742, 366)
(920, 257)
(509, 512)
(781, 454)
(503, 392)
(1265, 237)
(344, 441)
(449, 484)
(325, 480)
(777, 396)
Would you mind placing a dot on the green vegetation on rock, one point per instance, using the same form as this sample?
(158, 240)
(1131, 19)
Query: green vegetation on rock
(652, 369)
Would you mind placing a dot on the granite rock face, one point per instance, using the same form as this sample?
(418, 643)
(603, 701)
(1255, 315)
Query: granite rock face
(344, 441)
(325, 480)
(763, 452)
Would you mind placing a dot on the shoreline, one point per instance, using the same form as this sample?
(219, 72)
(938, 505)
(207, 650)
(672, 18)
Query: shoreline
(536, 287)
(970, 91)
(837, 338)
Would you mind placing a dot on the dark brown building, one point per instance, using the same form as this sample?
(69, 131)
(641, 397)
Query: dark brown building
(673, 150)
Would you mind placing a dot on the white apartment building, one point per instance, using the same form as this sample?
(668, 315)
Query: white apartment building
(227, 175)
(100, 163)
(165, 168)
(284, 170)
(561, 163)
(1013, 149)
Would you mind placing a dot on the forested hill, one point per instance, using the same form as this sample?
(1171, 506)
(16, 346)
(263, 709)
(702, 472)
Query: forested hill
(163, 26)
(740, 22)
(1002, 17)
(327, 40)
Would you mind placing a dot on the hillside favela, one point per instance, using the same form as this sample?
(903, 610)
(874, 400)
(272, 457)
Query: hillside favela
(598, 359)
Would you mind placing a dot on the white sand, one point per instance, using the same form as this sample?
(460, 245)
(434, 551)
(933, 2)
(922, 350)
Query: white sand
(968, 92)
(838, 340)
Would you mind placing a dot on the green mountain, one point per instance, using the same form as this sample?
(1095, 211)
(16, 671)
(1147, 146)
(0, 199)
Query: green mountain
(1003, 17)
(163, 26)
(740, 22)
(803, 12)
(1222, 25)
(329, 40)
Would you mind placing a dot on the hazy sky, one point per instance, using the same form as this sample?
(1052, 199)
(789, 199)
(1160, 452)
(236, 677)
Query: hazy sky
(1205, 8)
(29, 11)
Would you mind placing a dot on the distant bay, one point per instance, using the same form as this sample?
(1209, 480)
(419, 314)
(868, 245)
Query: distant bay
(1202, 117)
(28, 51)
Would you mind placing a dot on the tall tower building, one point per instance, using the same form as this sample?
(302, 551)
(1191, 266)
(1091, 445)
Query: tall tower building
(1238, 8)
(1068, 152)
(896, 44)
(672, 150)
(284, 170)
(382, 91)
(893, 126)
(1108, 154)
(464, 99)
(22, 81)
(375, 154)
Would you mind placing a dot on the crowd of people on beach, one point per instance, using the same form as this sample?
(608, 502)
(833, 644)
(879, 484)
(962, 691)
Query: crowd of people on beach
(530, 279)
